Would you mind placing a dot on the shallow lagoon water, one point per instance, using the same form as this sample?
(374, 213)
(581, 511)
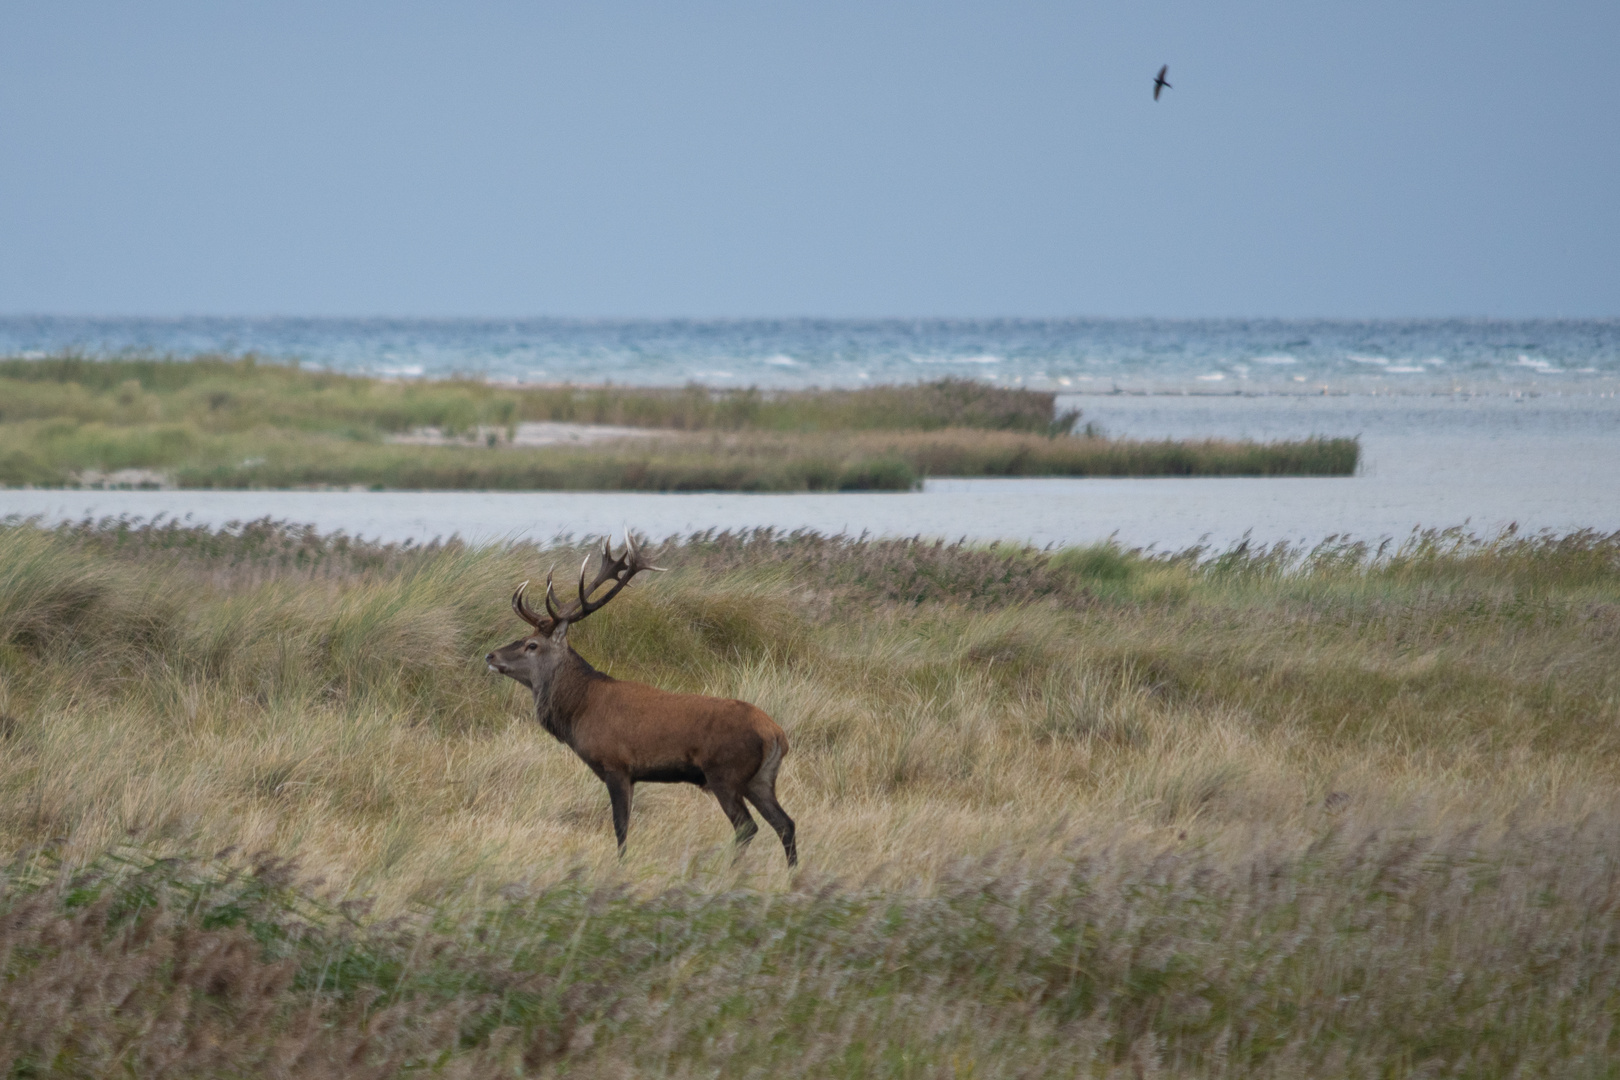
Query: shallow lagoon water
(1429, 462)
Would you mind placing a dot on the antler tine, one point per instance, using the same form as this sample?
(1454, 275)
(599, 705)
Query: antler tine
(632, 552)
(584, 601)
(522, 608)
(609, 570)
(619, 570)
(551, 598)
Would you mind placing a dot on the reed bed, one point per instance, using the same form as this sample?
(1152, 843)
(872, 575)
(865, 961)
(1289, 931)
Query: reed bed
(237, 423)
(1262, 811)
(858, 461)
(50, 453)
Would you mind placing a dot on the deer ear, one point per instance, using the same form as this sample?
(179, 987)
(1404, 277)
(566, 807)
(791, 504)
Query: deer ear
(559, 633)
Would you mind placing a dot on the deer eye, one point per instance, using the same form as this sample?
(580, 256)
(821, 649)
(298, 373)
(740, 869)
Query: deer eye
(531, 646)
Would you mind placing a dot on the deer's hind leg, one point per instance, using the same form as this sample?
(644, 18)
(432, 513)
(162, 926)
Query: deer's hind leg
(763, 796)
(742, 822)
(761, 791)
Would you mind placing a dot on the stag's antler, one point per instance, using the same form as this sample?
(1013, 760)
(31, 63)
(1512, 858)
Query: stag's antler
(617, 570)
(525, 613)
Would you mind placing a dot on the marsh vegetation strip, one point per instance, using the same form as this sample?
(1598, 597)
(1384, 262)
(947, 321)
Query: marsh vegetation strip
(1560, 484)
(236, 423)
(1340, 812)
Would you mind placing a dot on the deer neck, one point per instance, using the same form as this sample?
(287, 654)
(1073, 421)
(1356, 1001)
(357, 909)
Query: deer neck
(560, 700)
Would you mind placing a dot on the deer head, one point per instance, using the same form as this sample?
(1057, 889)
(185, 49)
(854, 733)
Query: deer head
(533, 659)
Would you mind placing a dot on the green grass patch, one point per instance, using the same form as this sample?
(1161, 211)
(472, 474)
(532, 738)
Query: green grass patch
(219, 394)
(239, 422)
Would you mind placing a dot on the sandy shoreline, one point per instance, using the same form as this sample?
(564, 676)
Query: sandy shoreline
(528, 433)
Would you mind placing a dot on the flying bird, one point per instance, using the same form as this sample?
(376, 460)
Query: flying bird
(1159, 83)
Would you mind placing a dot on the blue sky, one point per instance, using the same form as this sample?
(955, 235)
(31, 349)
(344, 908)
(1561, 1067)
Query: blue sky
(620, 159)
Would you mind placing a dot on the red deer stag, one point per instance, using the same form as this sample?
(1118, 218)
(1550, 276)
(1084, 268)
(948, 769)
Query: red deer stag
(628, 732)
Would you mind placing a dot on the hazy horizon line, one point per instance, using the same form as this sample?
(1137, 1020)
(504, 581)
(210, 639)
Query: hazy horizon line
(802, 318)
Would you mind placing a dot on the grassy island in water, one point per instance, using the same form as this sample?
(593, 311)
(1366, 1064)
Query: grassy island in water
(214, 422)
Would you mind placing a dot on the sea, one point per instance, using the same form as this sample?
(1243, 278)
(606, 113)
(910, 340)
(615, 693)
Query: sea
(1478, 425)
(1243, 356)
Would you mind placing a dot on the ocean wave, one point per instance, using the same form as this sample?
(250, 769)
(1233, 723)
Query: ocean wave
(1413, 356)
(1540, 367)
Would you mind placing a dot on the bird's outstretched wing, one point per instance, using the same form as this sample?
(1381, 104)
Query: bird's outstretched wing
(1163, 72)
(1156, 88)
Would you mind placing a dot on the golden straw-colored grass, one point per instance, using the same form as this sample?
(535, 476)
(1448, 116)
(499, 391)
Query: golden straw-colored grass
(1270, 812)
(345, 714)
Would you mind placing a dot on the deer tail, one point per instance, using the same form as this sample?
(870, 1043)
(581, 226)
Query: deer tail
(776, 748)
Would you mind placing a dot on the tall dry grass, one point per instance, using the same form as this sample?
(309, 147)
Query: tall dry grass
(1254, 812)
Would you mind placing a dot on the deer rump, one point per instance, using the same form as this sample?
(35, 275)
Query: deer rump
(629, 733)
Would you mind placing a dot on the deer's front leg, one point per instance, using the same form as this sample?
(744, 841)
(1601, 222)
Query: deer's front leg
(619, 788)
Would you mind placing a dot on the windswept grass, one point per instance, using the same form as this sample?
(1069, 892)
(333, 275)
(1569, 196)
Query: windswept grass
(56, 453)
(217, 394)
(217, 422)
(1338, 812)
(855, 462)
(1357, 956)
